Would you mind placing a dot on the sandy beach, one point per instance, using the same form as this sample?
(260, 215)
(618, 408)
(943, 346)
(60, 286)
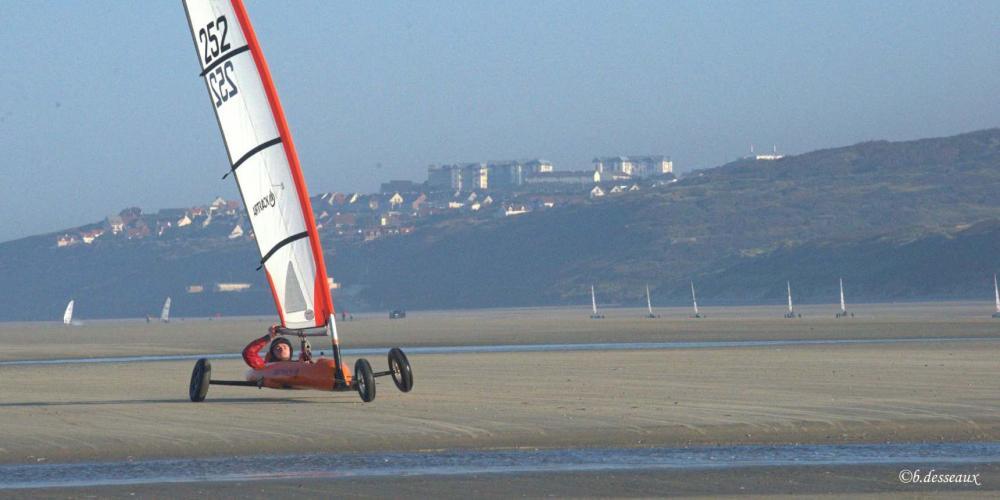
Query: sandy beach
(915, 391)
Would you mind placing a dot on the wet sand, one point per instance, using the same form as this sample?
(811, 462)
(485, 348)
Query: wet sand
(870, 481)
(48, 340)
(927, 392)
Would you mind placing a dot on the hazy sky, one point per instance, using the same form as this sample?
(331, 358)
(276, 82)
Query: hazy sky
(102, 106)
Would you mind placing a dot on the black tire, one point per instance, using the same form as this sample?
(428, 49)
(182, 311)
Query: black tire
(364, 378)
(200, 380)
(402, 374)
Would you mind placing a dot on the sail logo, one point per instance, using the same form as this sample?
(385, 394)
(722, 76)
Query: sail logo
(265, 202)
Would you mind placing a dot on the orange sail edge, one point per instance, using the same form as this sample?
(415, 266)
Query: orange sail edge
(322, 294)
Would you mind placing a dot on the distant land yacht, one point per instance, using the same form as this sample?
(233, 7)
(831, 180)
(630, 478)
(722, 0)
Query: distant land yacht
(68, 314)
(694, 300)
(593, 305)
(843, 305)
(165, 313)
(649, 306)
(996, 297)
(791, 310)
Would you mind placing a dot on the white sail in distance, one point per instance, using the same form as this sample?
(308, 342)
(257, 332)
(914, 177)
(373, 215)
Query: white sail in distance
(649, 303)
(165, 313)
(593, 300)
(843, 305)
(996, 293)
(694, 299)
(68, 314)
(263, 161)
(789, 283)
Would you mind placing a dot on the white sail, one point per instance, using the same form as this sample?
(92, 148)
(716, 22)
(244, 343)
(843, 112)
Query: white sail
(593, 300)
(694, 299)
(843, 305)
(68, 314)
(263, 161)
(996, 293)
(165, 313)
(649, 303)
(789, 296)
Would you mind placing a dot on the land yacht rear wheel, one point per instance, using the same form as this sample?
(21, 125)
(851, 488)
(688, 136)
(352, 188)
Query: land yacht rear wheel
(201, 378)
(365, 379)
(402, 374)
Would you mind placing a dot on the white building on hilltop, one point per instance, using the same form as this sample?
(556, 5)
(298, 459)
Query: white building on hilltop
(634, 166)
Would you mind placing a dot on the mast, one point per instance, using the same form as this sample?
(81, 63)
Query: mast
(649, 304)
(593, 300)
(694, 299)
(789, 283)
(843, 306)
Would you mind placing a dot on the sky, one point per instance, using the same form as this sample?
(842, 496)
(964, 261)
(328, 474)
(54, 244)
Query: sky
(101, 106)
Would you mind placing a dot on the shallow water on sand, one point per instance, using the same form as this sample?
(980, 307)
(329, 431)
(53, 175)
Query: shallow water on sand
(601, 346)
(460, 462)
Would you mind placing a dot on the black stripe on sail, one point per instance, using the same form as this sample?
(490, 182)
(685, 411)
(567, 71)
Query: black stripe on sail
(257, 149)
(280, 244)
(223, 59)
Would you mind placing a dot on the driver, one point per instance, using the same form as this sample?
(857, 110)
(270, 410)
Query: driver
(280, 350)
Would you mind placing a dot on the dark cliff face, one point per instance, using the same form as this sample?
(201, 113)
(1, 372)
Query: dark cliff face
(899, 220)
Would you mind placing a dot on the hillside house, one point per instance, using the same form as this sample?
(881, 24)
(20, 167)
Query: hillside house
(137, 231)
(390, 219)
(344, 220)
(233, 207)
(337, 199)
(66, 240)
(634, 166)
(395, 200)
(419, 202)
(538, 166)
(231, 287)
(217, 204)
(513, 209)
(90, 235)
(563, 180)
(115, 224)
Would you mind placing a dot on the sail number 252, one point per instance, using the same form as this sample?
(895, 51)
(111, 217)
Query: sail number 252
(220, 81)
(213, 39)
(214, 44)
